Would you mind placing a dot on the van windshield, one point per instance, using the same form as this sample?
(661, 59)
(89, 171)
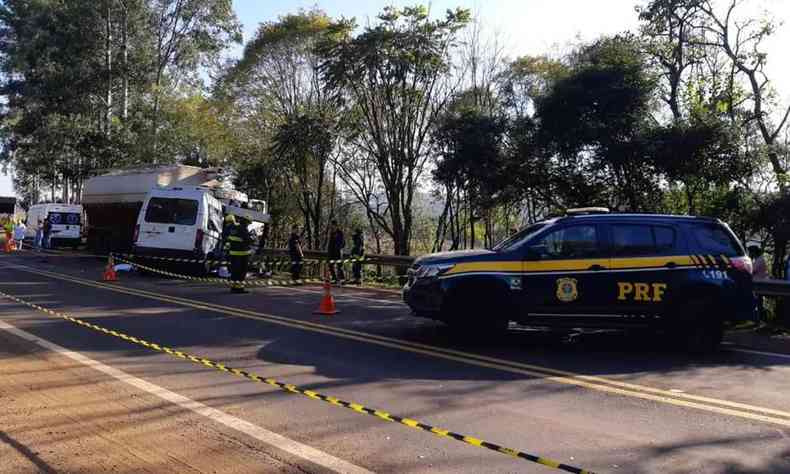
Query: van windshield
(171, 211)
(64, 218)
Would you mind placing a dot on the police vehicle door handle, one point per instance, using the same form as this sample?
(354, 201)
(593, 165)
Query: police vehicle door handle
(596, 268)
(671, 265)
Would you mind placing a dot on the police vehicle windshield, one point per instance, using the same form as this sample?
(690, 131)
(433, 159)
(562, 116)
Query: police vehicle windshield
(516, 239)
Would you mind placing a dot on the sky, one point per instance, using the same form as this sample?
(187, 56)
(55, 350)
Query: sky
(525, 27)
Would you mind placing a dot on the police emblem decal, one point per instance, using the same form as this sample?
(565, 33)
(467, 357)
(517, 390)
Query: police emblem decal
(567, 290)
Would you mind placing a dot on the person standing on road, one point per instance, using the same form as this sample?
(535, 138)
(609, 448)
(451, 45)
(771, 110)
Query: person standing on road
(47, 233)
(240, 245)
(295, 253)
(357, 252)
(19, 234)
(759, 273)
(38, 242)
(337, 241)
(759, 265)
(227, 227)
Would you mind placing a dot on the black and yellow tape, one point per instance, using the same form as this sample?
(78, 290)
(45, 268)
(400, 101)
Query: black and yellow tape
(274, 261)
(221, 281)
(309, 393)
(268, 282)
(173, 259)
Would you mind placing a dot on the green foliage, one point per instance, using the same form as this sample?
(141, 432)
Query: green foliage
(394, 73)
(700, 151)
(592, 123)
(666, 119)
(526, 80)
(81, 77)
(472, 158)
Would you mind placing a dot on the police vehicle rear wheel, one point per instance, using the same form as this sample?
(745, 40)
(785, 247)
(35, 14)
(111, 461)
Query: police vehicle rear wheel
(705, 338)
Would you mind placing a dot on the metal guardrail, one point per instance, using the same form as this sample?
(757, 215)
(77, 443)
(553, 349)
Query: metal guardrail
(772, 288)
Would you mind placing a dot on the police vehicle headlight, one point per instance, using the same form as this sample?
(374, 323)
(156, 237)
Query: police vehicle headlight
(427, 271)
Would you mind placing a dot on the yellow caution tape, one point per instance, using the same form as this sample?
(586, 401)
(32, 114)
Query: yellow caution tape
(222, 281)
(232, 283)
(309, 393)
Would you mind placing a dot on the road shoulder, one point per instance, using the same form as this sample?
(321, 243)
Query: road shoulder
(59, 416)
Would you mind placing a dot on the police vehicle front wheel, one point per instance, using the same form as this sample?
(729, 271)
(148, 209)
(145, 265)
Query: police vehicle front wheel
(472, 317)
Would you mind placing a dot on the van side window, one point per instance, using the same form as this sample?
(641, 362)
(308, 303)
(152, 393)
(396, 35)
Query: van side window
(635, 240)
(579, 241)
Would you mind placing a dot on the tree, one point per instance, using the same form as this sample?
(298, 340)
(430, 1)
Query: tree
(741, 41)
(526, 80)
(187, 34)
(55, 85)
(471, 168)
(305, 144)
(670, 31)
(278, 82)
(395, 73)
(592, 124)
(702, 155)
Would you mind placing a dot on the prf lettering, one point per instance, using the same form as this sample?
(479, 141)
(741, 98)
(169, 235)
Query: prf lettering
(641, 291)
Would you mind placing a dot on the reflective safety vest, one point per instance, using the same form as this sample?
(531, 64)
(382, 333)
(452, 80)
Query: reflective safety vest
(239, 241)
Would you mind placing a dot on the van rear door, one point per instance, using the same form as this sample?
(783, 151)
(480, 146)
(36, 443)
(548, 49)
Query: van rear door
(169, 223)
(65, 224)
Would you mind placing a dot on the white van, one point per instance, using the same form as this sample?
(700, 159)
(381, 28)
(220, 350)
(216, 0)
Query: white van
(178, 222)
(66, 222)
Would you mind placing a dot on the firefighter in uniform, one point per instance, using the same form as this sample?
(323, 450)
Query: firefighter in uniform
(240, 243)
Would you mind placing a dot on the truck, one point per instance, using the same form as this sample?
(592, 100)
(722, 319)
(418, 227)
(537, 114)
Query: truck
(9, 208)
(113, 201)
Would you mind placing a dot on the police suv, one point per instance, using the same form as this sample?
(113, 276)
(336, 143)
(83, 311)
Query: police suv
(594, 269)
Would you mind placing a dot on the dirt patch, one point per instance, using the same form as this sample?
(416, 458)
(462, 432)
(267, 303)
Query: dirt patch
(59, 416)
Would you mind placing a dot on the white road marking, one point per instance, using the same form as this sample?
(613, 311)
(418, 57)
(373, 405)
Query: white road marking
(762, 353)
(261, 434)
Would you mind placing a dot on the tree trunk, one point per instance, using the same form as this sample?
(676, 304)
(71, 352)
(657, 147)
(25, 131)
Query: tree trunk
(65, 190)
(472, 222)
(108, 65)
(125, 58)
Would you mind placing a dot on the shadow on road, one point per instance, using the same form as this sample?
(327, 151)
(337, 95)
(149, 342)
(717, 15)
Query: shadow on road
(42, 466)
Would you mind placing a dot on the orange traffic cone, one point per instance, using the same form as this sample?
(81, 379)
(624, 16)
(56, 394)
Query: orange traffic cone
(109, 271)
(327, 306)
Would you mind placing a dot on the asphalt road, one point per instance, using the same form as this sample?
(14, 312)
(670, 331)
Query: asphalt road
(603, 401)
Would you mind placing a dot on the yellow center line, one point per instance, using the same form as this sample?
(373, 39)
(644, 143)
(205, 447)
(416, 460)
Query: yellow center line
(597, 383)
